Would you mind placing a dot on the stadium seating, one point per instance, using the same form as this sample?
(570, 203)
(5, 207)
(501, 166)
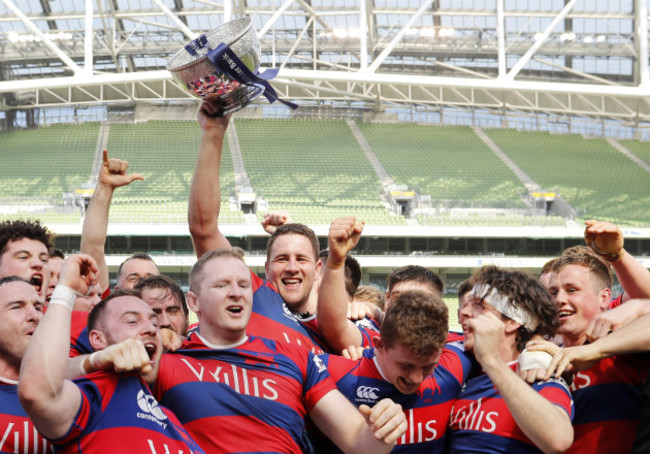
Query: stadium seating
(164, 152)
(593, 177)
(46, 162)
(640, 149)
(317, 170)
(314, 169)
(445, 162)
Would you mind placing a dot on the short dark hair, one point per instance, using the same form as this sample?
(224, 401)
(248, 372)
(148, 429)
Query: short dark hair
(526, 293)
(419, 320)
(17, 230)
(295, 229)
(136, 256)
(196, 273)
(162, 282)
(464, 287)
(415, 273)
(8, 279)
(96, 315)
(352, 272)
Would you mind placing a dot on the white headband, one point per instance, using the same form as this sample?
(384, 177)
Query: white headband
(502, 304)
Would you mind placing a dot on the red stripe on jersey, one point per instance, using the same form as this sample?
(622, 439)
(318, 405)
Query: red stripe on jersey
(247, 434)
(615, 436)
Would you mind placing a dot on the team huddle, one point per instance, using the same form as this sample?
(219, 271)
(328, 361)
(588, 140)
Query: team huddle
(305, 360)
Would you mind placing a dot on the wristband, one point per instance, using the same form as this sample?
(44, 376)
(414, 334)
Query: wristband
(91, 361)
(334, 264)
(63, 296)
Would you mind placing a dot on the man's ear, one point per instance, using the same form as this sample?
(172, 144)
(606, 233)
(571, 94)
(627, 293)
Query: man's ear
(97, 340)
(266, 270)
(319, 265)
(604, 298)
(511, 325)
(378, 343)
(192, 301)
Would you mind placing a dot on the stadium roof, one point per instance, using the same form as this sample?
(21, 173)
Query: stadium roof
(561, 57)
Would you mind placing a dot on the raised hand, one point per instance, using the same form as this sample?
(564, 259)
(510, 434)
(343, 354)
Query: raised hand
(113, 172)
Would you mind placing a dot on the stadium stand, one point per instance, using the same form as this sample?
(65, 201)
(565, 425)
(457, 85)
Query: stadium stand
(640, 149)
(41, 168)
(589, 174)
(446, 162)
(46, 162)
(314, 169)
(164, 152)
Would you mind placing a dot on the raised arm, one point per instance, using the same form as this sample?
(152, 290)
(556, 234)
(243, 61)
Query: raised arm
(338, 331)
(543, 422)
(606, 239)
(631, 338)
(205, 192)
(51, 401)
(112, 175)
(274, 219)
(368, 430)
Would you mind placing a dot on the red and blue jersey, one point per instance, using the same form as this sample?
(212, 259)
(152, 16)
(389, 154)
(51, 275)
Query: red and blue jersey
(607, 400)
(79, 341)
(615, 302)
(272, 319)
(427, 410)
(251, 397)
(482, 422)
(369, 330)
(367, 327)
(17, 433)
(119, 414)
(455, 336)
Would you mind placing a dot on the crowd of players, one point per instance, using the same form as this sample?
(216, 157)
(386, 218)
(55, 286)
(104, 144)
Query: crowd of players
(305, 361)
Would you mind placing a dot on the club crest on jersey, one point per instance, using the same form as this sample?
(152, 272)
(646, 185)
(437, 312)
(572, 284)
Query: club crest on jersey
(367, 394)
(150, 409)
(366, 323)
(319, 364)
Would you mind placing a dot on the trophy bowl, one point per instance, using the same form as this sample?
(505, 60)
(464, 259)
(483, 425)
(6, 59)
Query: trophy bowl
(192, 68)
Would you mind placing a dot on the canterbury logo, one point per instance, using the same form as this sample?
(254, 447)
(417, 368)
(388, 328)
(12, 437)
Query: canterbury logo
(148, 404)
(367, 392)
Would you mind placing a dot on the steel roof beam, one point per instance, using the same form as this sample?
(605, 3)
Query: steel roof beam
(47, 41)
(381, 57)
(174, 18)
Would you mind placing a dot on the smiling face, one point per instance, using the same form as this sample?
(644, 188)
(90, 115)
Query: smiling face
(28, 259)
(292, 269)
(168, 309)
(223, 300)
(20, 311)
(401, 367)
(578, 301)
(129, 317)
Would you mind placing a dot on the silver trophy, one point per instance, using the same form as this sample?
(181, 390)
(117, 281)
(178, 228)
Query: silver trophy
(223, 64)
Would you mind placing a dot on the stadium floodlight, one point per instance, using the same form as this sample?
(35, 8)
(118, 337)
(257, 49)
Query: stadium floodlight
(568, 36)
(446, 32)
